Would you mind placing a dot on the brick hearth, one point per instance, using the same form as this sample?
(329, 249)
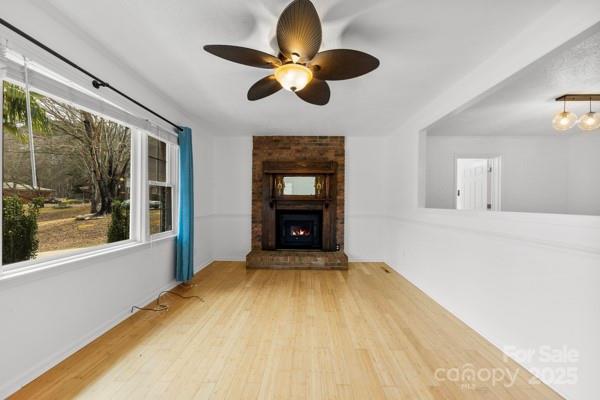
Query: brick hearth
(296, 259)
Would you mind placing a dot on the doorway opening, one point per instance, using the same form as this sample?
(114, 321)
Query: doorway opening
(478, 183)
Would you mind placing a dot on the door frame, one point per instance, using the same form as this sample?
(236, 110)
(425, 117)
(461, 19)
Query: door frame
(496, 181)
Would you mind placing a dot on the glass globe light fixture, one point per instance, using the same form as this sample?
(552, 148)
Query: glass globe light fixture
(564, 120)
(589, 121)
(293, 77)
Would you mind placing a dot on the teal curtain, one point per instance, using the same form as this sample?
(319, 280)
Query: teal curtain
(185, 236)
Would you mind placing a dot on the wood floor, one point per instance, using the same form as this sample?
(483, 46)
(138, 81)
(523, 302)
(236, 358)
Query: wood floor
(365, 333)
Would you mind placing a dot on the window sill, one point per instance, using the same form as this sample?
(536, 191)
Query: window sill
(162, 235)
(22, 274)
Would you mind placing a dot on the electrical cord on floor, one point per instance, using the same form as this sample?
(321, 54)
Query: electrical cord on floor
(188, 285)
(160, 307)
(164, 307)
(179, 295)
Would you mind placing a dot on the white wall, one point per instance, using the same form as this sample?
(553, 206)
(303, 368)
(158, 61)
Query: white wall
(366, 189)
(547, 174)
(584, 163)
(47, 315)
(519, 279)
(231, 216)
(232, 196)
(516, 290)
(202, 141)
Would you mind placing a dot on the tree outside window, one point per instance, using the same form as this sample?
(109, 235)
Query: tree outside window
(82, 166)
(160, 188)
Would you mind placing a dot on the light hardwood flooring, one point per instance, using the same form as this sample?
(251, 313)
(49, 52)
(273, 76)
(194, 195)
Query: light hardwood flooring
(365, 333)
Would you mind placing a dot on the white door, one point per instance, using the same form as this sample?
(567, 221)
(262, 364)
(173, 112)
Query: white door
(472, 184)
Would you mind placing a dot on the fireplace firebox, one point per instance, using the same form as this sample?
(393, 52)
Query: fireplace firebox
(299, 229)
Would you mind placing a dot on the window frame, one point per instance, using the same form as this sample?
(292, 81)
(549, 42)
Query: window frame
(134, 236)
(171, 181)
(139, 189)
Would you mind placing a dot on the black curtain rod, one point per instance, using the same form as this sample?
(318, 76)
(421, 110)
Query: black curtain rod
(96, 82)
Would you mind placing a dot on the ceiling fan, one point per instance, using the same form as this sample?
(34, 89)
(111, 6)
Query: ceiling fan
(299, 67)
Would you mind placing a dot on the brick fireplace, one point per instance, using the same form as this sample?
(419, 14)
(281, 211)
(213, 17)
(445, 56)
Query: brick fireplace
(298, 202)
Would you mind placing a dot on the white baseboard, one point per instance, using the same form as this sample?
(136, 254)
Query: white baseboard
(365, 260)
(203, 264)
(232, 259)
(17, 383)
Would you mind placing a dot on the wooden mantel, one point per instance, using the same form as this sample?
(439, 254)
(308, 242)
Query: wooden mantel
(274, 199)
(305, 167)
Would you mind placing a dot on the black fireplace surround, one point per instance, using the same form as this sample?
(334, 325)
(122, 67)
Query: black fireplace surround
(299, 229)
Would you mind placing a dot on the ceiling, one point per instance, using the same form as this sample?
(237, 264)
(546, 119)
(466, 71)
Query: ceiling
(424, 46)
(524, 104)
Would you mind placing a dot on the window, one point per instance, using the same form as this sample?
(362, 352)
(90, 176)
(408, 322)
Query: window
(75, 184)
(160, 209)
(157, 160)
(65, 185)
(160, 186)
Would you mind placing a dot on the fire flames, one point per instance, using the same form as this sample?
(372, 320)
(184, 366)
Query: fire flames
(299, 231)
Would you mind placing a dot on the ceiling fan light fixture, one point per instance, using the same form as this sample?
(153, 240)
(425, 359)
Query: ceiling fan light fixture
(293, 77)
(299, 37)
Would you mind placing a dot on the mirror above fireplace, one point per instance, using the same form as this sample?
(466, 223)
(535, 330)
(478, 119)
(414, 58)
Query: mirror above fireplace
(299, 185)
